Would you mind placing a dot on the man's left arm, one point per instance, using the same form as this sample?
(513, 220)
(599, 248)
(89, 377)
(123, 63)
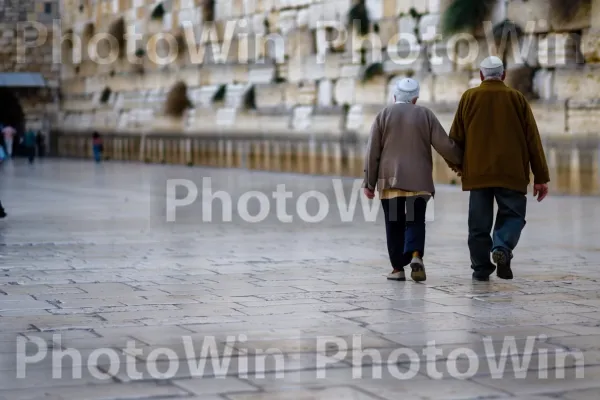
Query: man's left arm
(537, 156)
(373, 155)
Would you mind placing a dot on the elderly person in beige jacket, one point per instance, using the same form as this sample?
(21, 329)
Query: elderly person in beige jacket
(399, 164)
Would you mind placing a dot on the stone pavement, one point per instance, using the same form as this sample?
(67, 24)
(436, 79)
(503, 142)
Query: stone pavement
(102, 298)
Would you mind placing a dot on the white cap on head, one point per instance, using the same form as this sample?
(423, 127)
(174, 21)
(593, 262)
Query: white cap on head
(492, 67)
(406, 90)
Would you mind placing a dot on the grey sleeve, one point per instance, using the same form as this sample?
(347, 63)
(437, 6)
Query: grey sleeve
(442, 143)
(373, 154)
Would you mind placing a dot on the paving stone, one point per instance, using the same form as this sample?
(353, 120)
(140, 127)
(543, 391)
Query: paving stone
(439, 337)
(214, 386)
(110, 270)
(335, 393)
(589, 394)
(535, 385)
(130, 391)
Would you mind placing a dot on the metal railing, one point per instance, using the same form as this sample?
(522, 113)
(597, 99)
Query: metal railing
(573, 160)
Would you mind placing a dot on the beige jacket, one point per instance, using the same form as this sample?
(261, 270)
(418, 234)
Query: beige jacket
(399, 149)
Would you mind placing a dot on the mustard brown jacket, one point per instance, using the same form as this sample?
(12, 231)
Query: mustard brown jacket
(496, 129)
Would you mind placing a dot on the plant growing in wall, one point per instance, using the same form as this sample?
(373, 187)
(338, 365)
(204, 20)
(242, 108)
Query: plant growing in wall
(105, 95)
(219, 95)
(465, 15)
(359, 15)
(158, 13)
(208, 10)
(373, 70)
(250, 99)
(139, 65)
(118, 31)
(177, 101)
(566, 10)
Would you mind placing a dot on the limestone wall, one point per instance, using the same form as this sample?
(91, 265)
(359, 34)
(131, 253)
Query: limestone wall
(26, 45)
(309, 81)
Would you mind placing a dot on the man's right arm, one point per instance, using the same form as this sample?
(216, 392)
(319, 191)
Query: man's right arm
(372, 156)
(457, 131)
(537, 157)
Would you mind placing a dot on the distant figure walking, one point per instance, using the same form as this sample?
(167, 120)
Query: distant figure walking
(29, 142)
(8, 133)
(40, 140)
(97, 146)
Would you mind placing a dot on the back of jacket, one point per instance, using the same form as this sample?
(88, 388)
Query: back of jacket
(496, 128)
(399, 150)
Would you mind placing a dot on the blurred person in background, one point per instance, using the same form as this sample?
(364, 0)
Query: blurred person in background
(97, 146)
(8, 133)
(29, 143)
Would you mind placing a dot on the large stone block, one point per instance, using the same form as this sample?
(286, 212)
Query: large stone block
(333, 64)
(307, 94)
(389, 9)
(344, 91)
(301, 120)
(584, 120)
(403, 6)
(234, 95)
(261, 74)
(441, 58)
(303, 18)
(407, 25)
(550, 118)
(449, 88)
(325, 93)
(388, 28)
(543, 82)
(590, 46)
(313, 69)
(582, 19)
(269, 95)
(287, 21)
(375, 9)
(295, 70)
(577, 83)
(536, 13)
(595, 15)
(372, 91)
(316, 13)
(560, 50)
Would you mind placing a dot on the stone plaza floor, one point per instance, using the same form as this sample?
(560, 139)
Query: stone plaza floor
(102, 297)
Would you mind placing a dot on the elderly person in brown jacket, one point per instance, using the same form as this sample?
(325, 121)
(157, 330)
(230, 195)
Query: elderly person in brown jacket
(496, 128)
(399, 164)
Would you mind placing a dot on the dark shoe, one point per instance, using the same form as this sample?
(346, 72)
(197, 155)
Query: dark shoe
(480, 278)
(3, 214)
(418, 270)
(502, 261)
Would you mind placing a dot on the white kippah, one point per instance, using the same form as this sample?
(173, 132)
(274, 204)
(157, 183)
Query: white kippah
(492, 67)
(408, 85)
(492, 62)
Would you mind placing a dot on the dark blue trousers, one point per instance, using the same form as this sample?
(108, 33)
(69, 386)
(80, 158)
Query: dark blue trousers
(97, 153)
(405, 227)
(510, 221)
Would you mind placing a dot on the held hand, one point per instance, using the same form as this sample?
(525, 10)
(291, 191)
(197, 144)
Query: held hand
(369, 193)
(540, 190)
